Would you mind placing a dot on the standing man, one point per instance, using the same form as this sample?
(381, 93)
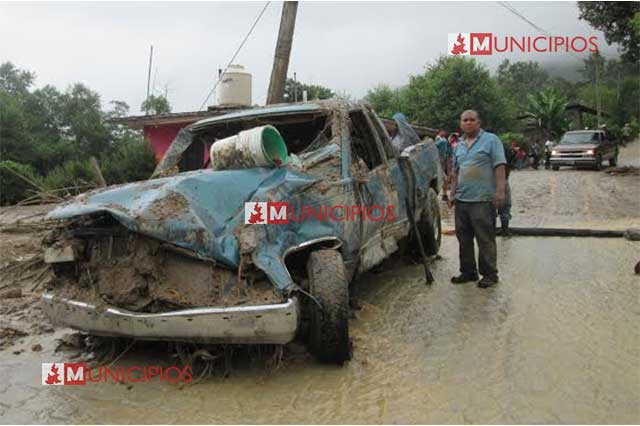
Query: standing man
(535, 153)
(548, 146)
(478, 189)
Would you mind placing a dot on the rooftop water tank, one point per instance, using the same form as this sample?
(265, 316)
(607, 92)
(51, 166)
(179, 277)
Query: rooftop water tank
(235, 87)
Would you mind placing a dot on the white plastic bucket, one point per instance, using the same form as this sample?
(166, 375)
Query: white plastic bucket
(258, 147)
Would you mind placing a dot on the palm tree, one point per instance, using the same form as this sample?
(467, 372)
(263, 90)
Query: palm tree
(547, 109)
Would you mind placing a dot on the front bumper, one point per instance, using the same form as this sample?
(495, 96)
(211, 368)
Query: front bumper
(270, 324)
(573, 161)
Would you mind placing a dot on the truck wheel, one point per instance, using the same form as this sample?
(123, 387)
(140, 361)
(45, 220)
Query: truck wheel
(430, 224)
(555, 168)
(329, 326)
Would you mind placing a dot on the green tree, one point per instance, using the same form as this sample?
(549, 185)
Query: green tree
(83, 121)
(594, 63)
(17, 181)
(517, 79)
(520, 78)
(617, 20)
(547, 110)
(385, 100)
(314, 91)
(47, 136)
(455, 83)
(156, 105)
(13, 80)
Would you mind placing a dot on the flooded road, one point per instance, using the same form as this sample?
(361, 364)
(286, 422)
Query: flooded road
(557, 341)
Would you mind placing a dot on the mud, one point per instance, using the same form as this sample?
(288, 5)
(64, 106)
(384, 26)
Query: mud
(555, 342)
(139, 274)
(173, 206)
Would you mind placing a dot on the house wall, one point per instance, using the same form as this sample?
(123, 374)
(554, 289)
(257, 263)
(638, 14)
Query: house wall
(161, 135)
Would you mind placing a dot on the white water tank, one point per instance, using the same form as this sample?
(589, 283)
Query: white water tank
(235, 87)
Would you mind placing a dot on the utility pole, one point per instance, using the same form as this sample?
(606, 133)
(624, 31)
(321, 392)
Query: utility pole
(149, 79)
(283, 52)
(295, 87)
(598, 101)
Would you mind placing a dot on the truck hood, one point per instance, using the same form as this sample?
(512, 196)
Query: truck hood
(198, 211)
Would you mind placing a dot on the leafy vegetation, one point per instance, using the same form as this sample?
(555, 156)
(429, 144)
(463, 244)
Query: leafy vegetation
(155, 104)
(619, 21)
(521, 97)
(48, 136)
(293, 90)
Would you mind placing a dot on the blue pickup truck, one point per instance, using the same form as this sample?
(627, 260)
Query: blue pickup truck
(181, 257)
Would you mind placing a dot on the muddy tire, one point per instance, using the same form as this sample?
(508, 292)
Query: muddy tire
(430, 224)
(329, 326)
(555, 168)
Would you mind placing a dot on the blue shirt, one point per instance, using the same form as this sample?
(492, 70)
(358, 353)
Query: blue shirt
(444, 149)
(475, 167)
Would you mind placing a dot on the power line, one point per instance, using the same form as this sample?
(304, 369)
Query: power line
(235, 54)
(528, 21)
(524, 18)
(548, 34)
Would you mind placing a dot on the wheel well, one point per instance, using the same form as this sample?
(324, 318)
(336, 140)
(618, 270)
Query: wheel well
(295, 258)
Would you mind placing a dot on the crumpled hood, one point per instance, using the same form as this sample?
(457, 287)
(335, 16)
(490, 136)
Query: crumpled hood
(195, 210)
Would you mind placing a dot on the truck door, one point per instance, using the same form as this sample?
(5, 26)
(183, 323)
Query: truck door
(376, 192)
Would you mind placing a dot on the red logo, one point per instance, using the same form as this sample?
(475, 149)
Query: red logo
(488, 44)
(281, 213)
(77, 373)
(52, 375)
(459, 46)
(257, 215)
(481, 43)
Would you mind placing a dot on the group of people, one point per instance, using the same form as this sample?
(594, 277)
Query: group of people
(517, 155)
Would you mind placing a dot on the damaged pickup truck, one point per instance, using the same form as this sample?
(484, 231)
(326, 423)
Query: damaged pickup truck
(175, 258)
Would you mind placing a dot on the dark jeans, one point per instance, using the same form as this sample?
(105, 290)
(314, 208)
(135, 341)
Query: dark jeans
(477, 220)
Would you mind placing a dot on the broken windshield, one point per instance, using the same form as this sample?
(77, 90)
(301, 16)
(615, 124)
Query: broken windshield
(301, 132)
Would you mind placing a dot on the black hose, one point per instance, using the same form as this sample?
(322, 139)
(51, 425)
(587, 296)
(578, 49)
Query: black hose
(406, 169)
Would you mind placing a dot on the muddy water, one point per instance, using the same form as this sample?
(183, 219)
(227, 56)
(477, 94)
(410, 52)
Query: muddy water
(557, 341)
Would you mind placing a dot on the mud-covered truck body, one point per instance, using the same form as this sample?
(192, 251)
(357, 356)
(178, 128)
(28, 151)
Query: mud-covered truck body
(172, 258)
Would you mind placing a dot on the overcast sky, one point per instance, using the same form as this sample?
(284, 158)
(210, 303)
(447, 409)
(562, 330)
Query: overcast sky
(348, 47)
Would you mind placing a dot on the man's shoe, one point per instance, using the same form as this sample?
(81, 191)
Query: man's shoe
(487, 282)
(461, 279)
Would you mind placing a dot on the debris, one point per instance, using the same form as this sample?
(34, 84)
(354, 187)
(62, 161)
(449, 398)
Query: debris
(632, 234)
(36, 348)
(12, 293)
(9, 334)
(96, 168)
(626, 170)
(18, 352)
(71, 340)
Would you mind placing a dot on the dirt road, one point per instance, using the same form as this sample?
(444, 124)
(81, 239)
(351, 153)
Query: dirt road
(556, 342)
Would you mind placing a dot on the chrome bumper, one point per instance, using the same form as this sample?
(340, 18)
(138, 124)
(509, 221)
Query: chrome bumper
(572, 161)
(273, 324)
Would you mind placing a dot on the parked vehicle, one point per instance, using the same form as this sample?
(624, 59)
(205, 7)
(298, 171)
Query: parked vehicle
(172, 258)
(584, 148)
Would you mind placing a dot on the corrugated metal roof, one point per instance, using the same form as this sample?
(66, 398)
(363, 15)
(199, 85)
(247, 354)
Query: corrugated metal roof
(279, 109)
